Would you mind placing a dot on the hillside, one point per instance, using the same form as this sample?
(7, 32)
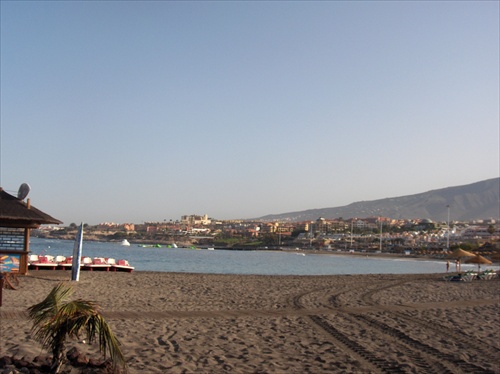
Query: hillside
(478, 200)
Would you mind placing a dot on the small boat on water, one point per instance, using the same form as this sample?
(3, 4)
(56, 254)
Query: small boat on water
(125, 243)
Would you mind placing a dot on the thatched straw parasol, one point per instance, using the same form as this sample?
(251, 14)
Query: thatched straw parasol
(458, 254)
(479, 260)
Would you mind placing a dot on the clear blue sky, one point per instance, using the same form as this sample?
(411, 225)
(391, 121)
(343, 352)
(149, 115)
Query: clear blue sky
(145, 111)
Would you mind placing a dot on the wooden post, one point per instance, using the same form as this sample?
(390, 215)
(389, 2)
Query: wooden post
(1, 287)
(23, 261)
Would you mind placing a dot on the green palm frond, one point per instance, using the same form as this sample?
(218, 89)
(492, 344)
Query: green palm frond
(44, 315)
(107, 341)
(56, 318)
(89, 320)
(46, 309)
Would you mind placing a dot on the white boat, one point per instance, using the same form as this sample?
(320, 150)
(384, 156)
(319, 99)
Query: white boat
(125, 243)
(174, 245)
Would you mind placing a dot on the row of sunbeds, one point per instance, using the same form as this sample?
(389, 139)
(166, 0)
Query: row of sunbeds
(469, 276)
(48, 262)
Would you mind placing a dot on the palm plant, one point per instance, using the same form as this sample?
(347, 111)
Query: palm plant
(56, 318)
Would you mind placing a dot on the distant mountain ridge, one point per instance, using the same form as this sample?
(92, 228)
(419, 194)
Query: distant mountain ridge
(478, 200)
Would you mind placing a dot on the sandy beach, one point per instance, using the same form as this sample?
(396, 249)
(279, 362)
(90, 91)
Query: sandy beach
(202, 323)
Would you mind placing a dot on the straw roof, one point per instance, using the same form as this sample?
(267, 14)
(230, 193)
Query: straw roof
(479, 260)
(459, 253)
(16, 213)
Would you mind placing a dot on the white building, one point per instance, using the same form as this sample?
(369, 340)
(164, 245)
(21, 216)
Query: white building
(196, 220)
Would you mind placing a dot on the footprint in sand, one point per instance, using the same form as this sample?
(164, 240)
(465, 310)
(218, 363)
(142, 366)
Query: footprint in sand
(168, 342)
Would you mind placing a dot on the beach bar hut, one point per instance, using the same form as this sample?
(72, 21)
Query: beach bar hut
(17, 218)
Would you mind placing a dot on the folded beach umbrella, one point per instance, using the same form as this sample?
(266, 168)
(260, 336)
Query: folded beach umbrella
(479, 260)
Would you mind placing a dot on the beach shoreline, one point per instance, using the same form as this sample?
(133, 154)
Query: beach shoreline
(216, 323)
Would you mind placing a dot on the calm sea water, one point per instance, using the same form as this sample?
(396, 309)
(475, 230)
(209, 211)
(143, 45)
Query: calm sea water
(241, 262)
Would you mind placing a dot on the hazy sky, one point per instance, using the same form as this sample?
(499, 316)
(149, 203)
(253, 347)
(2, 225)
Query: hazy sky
(146, 111)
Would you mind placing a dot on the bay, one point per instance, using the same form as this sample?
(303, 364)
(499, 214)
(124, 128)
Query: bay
(242, 262)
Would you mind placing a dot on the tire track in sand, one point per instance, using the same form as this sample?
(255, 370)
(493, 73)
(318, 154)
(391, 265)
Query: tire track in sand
(422, 355)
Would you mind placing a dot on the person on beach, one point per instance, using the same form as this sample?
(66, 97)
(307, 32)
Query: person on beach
(447, 266)
(457, 264)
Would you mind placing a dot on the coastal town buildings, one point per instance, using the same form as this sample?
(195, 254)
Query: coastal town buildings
(361, 233)
(196, 220)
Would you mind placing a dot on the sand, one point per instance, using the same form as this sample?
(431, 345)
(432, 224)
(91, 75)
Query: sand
(201, 323)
